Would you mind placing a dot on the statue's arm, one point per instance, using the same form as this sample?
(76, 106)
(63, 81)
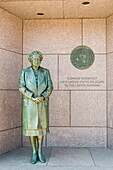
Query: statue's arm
(22, 86)
(49, 88)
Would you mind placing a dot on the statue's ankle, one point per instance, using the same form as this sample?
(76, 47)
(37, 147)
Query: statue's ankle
(39, 150)
(34, 152)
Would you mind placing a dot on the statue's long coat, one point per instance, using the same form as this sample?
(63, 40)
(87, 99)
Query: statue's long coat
(28, 87)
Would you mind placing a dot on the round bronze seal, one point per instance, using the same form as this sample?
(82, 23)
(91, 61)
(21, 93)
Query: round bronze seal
(82, 57)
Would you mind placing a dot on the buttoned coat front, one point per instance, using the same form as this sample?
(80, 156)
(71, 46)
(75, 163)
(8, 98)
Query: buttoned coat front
(35, 115)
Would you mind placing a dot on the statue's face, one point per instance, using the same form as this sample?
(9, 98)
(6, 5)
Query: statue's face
(36, 60)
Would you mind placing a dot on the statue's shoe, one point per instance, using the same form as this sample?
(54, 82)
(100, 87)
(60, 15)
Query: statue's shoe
(34, 158)
(41, 157)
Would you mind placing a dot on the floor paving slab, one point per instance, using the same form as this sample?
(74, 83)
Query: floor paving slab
(70, 157)
(102, 157)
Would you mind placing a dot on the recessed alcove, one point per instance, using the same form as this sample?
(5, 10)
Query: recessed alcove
(80, 116)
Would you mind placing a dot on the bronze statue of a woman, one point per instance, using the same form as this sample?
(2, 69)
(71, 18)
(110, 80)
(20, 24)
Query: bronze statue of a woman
(35, 84)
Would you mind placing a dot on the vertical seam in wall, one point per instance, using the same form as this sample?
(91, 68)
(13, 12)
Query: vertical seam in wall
(21, 99)
(58, 72)
(82, 31)
(70, 108)
(22, 40)
(63, 8)
(106, 93)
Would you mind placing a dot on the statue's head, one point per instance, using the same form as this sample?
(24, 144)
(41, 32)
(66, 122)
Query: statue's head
(35, 58)
(37, 54)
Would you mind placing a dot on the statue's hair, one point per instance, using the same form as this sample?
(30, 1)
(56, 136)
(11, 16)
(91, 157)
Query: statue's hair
(35, 52)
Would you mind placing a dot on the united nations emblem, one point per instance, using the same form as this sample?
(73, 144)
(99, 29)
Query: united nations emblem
(82, 57)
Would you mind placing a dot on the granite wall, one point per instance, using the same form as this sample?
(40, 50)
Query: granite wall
(78, 115)
(81, 103)
(10, 66)
(110, 79)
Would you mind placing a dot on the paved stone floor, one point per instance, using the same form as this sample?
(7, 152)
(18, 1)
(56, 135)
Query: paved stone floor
(59, 159)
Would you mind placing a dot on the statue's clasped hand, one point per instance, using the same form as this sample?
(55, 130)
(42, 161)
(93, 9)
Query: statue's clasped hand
(38, 99)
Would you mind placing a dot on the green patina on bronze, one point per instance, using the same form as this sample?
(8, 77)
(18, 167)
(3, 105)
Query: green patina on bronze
(82, 57)
(36, 86)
